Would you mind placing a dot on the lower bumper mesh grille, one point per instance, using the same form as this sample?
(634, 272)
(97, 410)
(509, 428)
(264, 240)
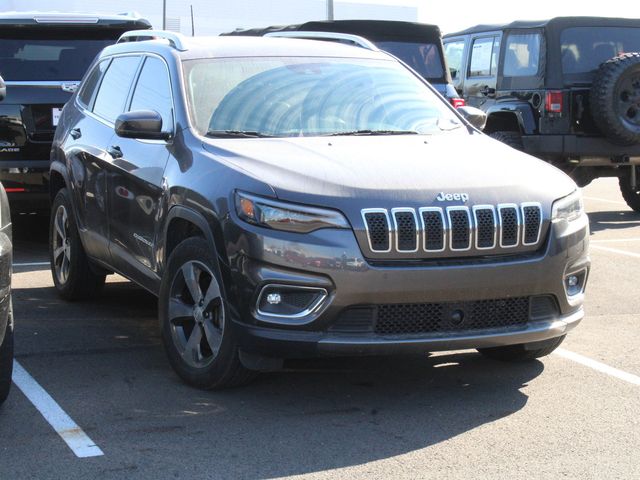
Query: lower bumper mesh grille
(416, 318)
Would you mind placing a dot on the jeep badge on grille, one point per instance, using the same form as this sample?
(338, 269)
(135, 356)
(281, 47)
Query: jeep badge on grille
(448, 197)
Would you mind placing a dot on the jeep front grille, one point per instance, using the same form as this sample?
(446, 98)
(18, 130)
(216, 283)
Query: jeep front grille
(454, 229)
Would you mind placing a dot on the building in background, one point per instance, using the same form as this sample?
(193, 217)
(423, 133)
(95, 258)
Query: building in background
(212, 17)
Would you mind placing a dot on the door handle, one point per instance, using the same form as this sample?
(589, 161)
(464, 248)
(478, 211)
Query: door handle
(75, 133)
(487, 91)
(114, 151)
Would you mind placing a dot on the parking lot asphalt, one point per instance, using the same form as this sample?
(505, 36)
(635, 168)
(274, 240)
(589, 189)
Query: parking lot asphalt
(573, 414)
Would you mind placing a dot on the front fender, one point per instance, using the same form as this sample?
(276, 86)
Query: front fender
(520, 112)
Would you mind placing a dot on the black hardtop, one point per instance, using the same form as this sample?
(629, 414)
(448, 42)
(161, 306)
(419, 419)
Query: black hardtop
(557, 24)
(58, 20)
(370, 29)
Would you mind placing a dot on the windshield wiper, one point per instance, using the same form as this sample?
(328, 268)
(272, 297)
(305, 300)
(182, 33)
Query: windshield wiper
(237, 134)
(373, 132)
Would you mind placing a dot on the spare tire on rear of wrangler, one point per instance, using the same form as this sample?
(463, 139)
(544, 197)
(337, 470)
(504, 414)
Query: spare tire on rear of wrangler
(615, 99)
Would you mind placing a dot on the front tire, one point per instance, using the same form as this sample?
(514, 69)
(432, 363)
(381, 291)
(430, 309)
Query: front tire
(6, 358)
(522, 352)
(194, 319)
(73, 276)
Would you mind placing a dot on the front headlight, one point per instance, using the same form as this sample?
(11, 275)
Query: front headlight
(568, 208)
(286, 216)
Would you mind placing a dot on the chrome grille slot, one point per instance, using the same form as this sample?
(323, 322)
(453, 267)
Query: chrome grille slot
(454, 231)
(532, 221)
(433, 229)
(510, 225)
(378, 230)
(460, 228)
(406, 227)
(485, 219)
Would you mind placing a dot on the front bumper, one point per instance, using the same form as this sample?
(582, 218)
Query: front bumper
(331, 260)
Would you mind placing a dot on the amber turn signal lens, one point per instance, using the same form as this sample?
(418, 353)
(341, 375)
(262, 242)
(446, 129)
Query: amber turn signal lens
(247, 208)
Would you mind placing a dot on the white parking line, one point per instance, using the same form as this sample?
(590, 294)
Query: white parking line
(615, 250)
(597, 199)
(32, 264)
(600, 367)
(69, 431)
(616, 240)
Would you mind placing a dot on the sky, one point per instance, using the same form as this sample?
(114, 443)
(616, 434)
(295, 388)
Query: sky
(467, 13)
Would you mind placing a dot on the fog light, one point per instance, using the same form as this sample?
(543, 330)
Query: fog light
(274, 298)
(574, 282)
(289, 301)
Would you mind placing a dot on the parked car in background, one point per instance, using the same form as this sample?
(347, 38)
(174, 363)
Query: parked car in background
(417, 44)
(43, 57)
(6, 310)
(565, 90)
(290, 198)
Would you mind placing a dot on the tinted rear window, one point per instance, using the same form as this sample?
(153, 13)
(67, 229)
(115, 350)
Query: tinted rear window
(41, 58)
(583, 49)
(424, 58)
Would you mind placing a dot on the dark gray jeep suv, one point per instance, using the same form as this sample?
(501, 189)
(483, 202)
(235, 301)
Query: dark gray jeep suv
(290, 198)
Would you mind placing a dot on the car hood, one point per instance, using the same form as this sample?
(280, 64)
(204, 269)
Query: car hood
(391, 171)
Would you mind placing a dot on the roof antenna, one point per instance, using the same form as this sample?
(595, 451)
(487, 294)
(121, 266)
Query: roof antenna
(193, 30)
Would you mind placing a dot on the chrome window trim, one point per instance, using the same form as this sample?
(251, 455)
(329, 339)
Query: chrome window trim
(539, 207)
(384, 211)
(306, 312)
(469, 223)
(475, 208)
(395, 228)
(424, 234)
(502, 206)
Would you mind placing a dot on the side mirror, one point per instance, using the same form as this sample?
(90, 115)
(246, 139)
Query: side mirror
(474, 116)
(141, 124)
(453, 72)
(3, 89)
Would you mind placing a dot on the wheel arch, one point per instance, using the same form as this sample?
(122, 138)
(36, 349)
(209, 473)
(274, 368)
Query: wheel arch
(58, 179)
(511, 118)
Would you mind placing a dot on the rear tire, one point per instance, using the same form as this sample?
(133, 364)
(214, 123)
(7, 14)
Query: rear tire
(613, 99)
(630, 194)
(72, 274)
(520, 352)
(513, 139)
(6, 358)
(194, 319)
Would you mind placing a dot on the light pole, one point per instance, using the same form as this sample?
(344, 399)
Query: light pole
(329, 9)
(164, 14)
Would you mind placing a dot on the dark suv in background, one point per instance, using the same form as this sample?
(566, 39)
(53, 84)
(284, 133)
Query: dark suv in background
(566, 90)
(43, 56)
(289, 198)
(417, 44)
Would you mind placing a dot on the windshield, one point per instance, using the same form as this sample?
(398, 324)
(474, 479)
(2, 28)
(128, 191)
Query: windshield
(287, 97)
(583, 49)
(47, 59)
(424, 58)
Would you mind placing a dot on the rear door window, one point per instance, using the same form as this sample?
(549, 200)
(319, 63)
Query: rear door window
(522, 55)
(484, 57)
(114, 89)
(89, 86)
